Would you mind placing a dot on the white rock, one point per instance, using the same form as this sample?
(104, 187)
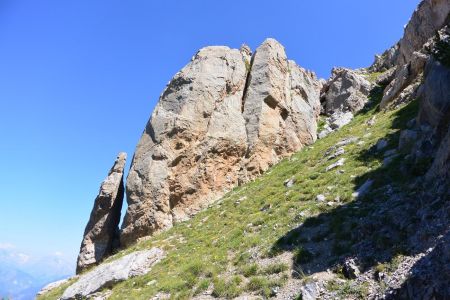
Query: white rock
(347, 90)
(340, 119)
(320, 198)
(135, 264)
(339, 163)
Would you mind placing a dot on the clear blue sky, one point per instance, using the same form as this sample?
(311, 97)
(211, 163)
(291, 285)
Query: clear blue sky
(79, 79)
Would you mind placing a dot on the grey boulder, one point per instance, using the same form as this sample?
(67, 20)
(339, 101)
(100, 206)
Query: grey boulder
(347, 90)
(106, 275)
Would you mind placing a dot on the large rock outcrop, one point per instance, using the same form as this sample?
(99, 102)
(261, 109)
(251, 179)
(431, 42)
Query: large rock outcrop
(101, 235)
(344, 94)
(346, 90)
(222, 120)
(280, 108)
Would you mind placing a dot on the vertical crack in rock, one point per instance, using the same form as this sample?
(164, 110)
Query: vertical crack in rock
(101, 235)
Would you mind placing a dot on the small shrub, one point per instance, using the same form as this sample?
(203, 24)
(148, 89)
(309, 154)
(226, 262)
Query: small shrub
(227, 289)
(275, 268)
(250, 270)
(257, 283)
(303, 256)
(202, 286)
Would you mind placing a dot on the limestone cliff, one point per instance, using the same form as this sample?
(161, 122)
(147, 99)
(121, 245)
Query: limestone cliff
(224, 119)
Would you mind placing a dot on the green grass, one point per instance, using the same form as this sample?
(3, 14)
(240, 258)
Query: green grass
(215, 246)
(57, 292)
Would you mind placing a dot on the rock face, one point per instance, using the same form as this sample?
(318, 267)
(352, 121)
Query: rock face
(410, 54)
(347, 90)
(101, 235)
(435, 97)
(429, 17)
(435, 111)
(222, 120)
(106, 275)
(344, 94)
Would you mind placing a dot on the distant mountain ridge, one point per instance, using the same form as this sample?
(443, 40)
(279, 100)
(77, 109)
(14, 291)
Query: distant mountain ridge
(22, 275)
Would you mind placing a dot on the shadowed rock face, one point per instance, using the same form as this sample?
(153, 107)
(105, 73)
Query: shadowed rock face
(101, 233)
(435, 111)
(222, 120)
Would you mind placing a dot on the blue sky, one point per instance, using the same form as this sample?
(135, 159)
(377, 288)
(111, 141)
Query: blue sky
(79, 79)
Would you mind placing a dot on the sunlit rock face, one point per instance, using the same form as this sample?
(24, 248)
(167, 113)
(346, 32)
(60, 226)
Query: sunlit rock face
(224, 119)
(101, 235)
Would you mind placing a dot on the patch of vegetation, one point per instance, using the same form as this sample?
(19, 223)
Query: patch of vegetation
(250, 270)
(441, 50)
(275, 268)
(57, 292)
(227, 289)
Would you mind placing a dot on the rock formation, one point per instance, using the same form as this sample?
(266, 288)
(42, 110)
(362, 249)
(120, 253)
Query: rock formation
(222, 120)
(134, 264)
(429, 17)
(101, 235)
(408, 57)
(345, 93)
(346, 90)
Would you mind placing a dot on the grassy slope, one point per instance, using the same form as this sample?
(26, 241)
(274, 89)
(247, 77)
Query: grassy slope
(221, 244)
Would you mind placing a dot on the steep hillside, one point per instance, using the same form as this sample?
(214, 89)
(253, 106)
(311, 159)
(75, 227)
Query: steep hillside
(361, 213)
(298, 223)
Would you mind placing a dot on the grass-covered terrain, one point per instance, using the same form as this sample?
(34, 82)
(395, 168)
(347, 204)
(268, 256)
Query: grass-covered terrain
(260, 236)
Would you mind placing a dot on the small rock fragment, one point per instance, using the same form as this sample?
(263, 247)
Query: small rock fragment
(320, 198)
(310, 291)
(289, 182)
(337, 153)
(339, 163)
(347, 141)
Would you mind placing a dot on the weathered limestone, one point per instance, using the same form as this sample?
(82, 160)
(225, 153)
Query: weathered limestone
(101, 235)
(106, 275)
(347, 90)
(221, 121)
(280, 108)
(429, 17)
(410, 54)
